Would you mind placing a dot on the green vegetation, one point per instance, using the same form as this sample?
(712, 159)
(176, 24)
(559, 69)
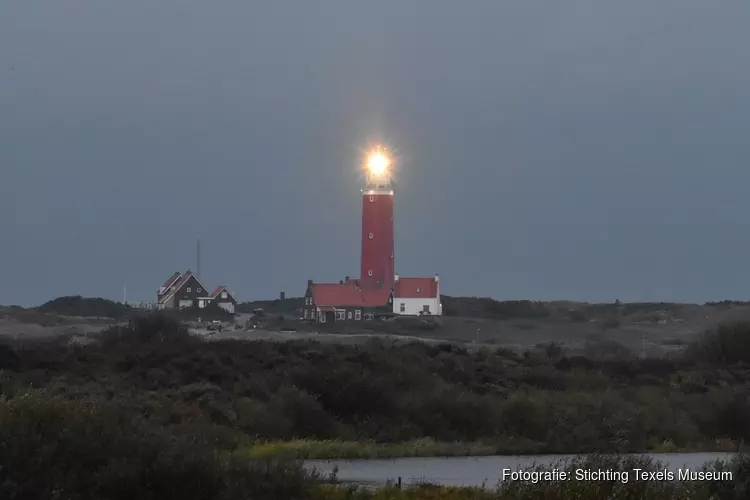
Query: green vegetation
(477, 307)
(538, 402)
(51, 447)
(86, 307)
(151, 412)
(288, 306)
(322, 449)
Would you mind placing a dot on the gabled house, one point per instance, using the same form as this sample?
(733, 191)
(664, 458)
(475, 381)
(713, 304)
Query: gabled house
(344, 301)
(181, 290)
(417, 296)
(223, 298)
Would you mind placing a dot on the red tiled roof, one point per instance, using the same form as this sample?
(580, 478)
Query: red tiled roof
(218, 290)
(347, 294)
(406, 288)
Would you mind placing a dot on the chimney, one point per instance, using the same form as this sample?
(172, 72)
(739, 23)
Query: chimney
(309, 283)
(341, 282)
(282, 296)
(346, 279)
(437, 278)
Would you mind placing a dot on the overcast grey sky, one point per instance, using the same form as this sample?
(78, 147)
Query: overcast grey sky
(586, 150)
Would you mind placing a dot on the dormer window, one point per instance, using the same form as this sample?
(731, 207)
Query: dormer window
(419, 290)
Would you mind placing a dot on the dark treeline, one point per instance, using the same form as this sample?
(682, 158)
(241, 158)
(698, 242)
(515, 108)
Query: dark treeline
(152, 394)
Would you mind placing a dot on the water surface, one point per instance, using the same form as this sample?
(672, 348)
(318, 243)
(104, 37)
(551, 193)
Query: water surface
(475, 471)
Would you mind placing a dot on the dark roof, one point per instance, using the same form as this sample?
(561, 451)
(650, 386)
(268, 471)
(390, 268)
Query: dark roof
(181, 281)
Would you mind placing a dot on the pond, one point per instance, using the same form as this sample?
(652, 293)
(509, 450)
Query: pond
(474, 471)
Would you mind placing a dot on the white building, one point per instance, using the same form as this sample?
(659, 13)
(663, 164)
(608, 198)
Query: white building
(417, 296)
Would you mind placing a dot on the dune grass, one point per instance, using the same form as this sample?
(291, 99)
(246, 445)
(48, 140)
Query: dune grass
(306, 449)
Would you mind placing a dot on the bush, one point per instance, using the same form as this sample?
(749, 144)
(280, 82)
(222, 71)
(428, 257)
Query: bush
(728, 344)
(158, 328)
(54, 448)
(80, 306)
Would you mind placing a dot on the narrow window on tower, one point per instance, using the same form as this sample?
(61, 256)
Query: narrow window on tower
(369, 273)
(372, 198)
(371, 235)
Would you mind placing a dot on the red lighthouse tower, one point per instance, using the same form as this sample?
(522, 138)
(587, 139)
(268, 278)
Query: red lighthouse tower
(377, 223)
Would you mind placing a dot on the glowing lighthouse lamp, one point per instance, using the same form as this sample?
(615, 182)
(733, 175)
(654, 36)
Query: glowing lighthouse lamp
(377, 163)
(378, 169)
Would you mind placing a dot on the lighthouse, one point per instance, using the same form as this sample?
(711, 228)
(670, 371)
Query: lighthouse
(377, 264)
(379, 292)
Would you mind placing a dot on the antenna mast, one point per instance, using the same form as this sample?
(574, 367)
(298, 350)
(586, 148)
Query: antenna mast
(198, 258)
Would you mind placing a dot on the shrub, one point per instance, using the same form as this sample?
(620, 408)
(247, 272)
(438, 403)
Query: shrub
(81, 306)
(728, 344)
(53, 448)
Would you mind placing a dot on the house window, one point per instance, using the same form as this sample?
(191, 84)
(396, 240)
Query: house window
(358, 314)
(426, 308)
(419, 290)
(349, 315)
(306, 314)
(189, 289)
(322, 316)
(369, 273)
(402, 307)
(199, 290)
(369, 317)
(340, 315)
(223, 295)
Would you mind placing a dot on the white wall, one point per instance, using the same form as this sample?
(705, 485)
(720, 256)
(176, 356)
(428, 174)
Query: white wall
(414, 306)
(227, 306)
